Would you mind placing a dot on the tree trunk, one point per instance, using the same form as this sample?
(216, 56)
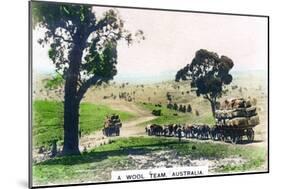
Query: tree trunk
(213, 106)
(213, 103)
(71, 124)
(71, 103)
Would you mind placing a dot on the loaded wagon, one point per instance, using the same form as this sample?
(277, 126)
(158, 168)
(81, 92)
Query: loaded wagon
(235, 119)
(112, 126)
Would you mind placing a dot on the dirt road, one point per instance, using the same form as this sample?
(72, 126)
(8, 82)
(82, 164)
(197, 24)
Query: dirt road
(128, 129)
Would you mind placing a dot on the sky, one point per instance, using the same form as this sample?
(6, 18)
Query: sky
(172, 38)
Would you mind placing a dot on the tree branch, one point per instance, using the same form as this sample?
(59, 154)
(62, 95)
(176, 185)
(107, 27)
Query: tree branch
(53, 32)
(207, 97)
(61, 37)
(95, 80)
(211, 99)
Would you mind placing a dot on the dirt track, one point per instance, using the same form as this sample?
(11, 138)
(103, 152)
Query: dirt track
(128, 129)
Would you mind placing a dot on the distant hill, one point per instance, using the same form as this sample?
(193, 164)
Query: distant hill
(166, 76)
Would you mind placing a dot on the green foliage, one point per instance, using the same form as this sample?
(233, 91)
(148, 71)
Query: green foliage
(208, 73)
(55, 15)
(48, 120)
(114, 156)
(102, 63)
(71, 27)
(55, 82)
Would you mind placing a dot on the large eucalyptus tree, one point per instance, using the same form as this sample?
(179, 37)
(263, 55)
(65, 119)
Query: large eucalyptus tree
(83, 49)
(208, 73)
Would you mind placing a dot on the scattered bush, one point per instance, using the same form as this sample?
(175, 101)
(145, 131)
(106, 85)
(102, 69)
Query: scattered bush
(175, 106)
(156, 112)
(189, 109)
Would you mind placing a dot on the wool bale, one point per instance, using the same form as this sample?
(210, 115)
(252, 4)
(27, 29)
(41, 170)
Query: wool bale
(239, 121)
(218, 114)
(251, 111)
(222, 114)
(248, 103)
(225, 105)
(228, 114)
(239, 113)
(254, 120)
(238, 103)
(227, 122)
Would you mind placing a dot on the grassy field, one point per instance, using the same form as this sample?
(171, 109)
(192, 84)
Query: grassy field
(97, 164)
(48, 120)
(169, 116)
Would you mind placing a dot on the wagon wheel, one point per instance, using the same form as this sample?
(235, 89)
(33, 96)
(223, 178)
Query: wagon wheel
(108, 132)
(234, 139)
(250, 135)
(239, 138)
(216, 136)
(222, 138)
(212, 136)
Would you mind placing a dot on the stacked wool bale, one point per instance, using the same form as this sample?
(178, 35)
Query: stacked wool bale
(237, 112)
(113, 121)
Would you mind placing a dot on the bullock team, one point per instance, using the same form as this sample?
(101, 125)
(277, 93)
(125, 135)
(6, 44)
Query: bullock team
(178, 130)
(202, 132)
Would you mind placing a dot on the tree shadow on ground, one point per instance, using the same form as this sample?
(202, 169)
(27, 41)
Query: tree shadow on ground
(97, 156)
(249, 142)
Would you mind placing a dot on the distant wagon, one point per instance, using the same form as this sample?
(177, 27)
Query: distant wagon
(112, 126)
(235, 118)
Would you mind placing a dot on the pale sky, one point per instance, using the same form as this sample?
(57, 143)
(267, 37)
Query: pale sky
(172, 38)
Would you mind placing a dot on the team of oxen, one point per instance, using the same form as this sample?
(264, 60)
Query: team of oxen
(199, 131)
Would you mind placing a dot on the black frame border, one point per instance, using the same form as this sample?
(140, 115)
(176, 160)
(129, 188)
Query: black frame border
(30, 89)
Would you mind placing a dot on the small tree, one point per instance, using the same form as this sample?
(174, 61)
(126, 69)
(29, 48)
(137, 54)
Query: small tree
(84, 52)
(175, 106)
(184, 108)
(208, 74)
(169, 96)
(189, 109)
